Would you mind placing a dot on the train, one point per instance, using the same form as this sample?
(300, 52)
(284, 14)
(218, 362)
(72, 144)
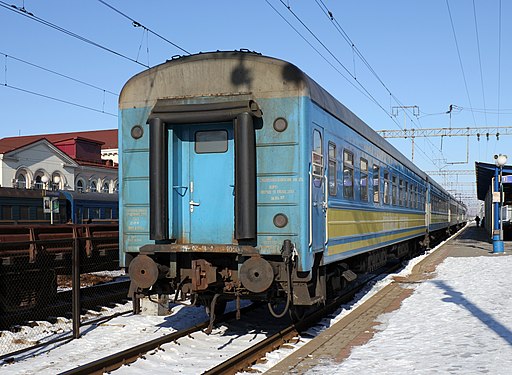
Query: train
(243, 179)
(26, 206)
(34, 251)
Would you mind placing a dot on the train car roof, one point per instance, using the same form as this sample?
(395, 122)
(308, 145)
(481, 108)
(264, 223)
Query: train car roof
(103, 197)
(7, 192)
(239, 74)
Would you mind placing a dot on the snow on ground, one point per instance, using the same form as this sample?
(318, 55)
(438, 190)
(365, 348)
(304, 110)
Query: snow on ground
(460, 322)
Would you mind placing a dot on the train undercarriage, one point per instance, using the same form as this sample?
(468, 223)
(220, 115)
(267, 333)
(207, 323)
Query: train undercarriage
(211, 279)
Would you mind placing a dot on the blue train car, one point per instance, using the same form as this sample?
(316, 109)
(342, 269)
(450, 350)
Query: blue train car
(242, 178)
(25, 206)
(86, 208)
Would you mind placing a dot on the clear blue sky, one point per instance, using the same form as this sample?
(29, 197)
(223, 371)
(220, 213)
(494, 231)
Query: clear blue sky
(409, 44)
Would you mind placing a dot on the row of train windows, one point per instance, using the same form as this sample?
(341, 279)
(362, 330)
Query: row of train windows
(95, 213)
(24, 213)
(36, 213)
(397, 190)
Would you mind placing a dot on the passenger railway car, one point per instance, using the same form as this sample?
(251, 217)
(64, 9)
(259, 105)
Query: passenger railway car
(25, 206)
(242, 178)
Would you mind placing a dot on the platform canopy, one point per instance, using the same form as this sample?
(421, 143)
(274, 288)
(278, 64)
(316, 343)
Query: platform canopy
(485, 173)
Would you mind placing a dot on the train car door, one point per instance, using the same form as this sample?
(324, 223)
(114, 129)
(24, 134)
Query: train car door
(318, 183)
(211, 184)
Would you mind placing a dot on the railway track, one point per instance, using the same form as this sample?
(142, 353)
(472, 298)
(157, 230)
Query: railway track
(90, 298)
(243, 360)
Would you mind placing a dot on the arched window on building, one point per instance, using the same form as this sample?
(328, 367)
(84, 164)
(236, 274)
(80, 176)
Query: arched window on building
(21, 181)
(106, 187)
(38, 183)
(80, 186)
(93, 187)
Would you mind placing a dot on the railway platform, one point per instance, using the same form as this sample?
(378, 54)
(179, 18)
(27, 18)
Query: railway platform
(451, 314)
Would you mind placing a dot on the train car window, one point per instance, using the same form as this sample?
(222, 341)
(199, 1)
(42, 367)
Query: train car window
(387, 189)
(317, 142)
(317, 155)
(407, 193)
(94, 213)
(395, 190)
(364, 180)
(6, 212)
(24, 213)
(416, 197)
(108, 213)
(333, 186)
(376, 184)
(39, 213)
(348, 174)
(211, 141)
(401, 193)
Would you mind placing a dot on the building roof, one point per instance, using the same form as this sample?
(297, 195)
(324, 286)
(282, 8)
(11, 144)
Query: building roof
(108, 138)
(484, 174)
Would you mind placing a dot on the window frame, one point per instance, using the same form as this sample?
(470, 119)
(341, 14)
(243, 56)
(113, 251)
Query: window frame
(387, 187)
(376, 171)
(225, 142)
(332, 169)
(363, 175)
(394, 191)
(348, 166)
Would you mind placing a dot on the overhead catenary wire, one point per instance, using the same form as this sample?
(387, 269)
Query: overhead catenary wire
(332, 55)
(355, 49)
(460, 59)
(499, 60)
(7, 56)
(318, 52)
(29, 15)
(346, 69)
(138, 24)
(479, 60)
(58, 99)
(337, 60)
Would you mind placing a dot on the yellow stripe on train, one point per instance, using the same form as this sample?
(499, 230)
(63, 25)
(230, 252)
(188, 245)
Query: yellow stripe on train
(344, 223)
(341, 248)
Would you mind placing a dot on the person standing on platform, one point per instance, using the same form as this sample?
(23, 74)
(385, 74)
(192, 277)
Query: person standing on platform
(477, 219)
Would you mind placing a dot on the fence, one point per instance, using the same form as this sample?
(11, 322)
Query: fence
(53, 279)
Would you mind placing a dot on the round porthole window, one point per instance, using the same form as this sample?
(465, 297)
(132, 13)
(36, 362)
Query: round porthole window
(280, 220)
(280, 124)
(137, 132)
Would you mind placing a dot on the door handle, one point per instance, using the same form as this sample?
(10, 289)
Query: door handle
(192, 204)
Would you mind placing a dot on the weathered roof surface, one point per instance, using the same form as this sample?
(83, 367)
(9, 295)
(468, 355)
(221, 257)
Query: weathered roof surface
(238, 73)
(484, 174)
(107, 137)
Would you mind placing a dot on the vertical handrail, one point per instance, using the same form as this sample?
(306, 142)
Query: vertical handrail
(310, 207)
(325, 207)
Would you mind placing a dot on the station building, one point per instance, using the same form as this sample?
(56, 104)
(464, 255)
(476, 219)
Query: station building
(81, 161)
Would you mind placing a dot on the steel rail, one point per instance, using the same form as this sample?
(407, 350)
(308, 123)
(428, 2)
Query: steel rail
(114, 361)
(243, 360)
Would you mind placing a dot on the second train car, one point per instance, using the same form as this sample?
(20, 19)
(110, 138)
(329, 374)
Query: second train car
(242, 178)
